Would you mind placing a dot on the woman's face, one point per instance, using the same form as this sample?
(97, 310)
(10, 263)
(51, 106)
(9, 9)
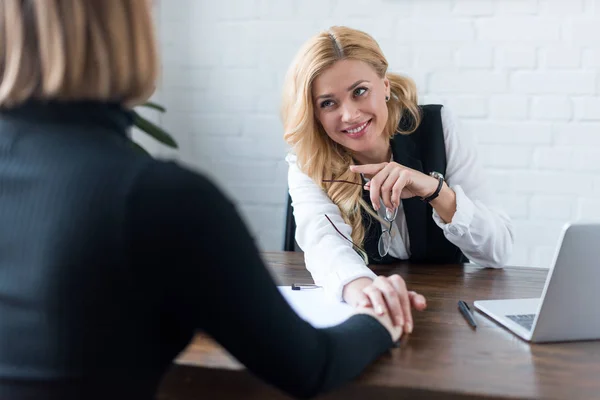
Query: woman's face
(349, 102)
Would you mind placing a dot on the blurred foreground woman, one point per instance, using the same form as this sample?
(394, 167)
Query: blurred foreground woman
(109, 259)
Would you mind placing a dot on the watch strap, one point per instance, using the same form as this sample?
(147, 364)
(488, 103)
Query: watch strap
(437, 191)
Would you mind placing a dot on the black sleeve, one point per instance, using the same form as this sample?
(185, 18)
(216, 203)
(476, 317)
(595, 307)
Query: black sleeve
(216, 281)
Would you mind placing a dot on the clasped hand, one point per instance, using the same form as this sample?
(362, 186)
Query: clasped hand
(388, 296)
(392, 182)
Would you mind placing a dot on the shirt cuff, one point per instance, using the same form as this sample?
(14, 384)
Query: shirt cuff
(461, 221)
(334, 283)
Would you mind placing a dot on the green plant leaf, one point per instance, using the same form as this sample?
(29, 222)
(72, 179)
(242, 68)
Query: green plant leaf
(154, 130)
(154, 106)
(139, 148)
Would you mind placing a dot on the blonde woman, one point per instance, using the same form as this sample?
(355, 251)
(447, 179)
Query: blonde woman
(375, 178)
(111, 260)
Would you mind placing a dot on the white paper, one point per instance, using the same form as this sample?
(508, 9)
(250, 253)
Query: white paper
(315, 307)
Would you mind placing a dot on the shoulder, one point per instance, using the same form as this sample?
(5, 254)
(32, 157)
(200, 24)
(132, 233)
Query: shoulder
(440, 119)
(433, 114)
(437, 118)
(172, 209)
(430, 124)
(295, 172)
(451, 128)
(459, 144)
(165, 191)
(291, 158)
(430, 109)
(168, 178)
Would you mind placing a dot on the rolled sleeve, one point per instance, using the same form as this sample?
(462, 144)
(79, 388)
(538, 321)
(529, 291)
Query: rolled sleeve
(463, 217)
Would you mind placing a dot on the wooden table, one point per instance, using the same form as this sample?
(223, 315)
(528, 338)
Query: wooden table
(442, 358)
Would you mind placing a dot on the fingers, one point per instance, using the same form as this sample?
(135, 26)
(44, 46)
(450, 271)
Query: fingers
(374, 170)
(388, 295)
(386, 184)
(387, 188)
(376, 298)
(353, 291)
(361, 300)
(392, 300)
(398, 187)
(417, 300)
(368, 169)
(400, 286)
(375, 187)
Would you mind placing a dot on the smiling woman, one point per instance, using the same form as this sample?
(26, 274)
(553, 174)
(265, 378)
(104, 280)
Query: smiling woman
(368, 163)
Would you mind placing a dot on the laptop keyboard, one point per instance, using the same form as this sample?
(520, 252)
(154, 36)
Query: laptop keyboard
(525, 320)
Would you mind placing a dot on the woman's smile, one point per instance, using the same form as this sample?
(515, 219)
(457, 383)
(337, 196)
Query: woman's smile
(358, 130)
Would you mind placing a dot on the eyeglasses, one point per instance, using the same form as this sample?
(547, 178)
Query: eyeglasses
(385, 240)
(361, 252)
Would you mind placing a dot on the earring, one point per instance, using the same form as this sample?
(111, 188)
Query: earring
(387, 98)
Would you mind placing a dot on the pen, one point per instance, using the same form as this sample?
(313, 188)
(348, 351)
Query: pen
(466, 312)
(304, 286)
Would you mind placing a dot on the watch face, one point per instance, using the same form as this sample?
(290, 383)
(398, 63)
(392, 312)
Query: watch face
(436, 175)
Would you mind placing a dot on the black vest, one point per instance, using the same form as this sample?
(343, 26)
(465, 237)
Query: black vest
(424, 151)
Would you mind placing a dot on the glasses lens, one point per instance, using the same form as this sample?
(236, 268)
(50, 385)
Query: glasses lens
(390, 215)
(385, 241)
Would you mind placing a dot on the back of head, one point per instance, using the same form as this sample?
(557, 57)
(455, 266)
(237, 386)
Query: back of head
(319, 156)
(76, 50)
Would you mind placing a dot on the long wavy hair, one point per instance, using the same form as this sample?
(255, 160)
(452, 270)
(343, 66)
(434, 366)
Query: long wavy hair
(318, 156)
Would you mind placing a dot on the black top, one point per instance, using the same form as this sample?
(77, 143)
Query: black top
(110, 260)
(423, 150)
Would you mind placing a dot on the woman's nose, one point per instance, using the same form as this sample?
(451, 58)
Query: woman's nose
(349, 113)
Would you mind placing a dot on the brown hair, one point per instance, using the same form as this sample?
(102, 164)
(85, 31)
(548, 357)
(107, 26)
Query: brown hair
(77, 50)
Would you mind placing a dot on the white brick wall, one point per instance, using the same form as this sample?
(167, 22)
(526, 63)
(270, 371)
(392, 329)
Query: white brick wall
(522, 75)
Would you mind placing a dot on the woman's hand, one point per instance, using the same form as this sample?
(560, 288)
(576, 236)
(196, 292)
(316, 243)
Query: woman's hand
(385, 320)
(387, 296)
(393, 182)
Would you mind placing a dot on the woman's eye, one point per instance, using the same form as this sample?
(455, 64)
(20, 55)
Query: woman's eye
(360, 91)
(326, 103)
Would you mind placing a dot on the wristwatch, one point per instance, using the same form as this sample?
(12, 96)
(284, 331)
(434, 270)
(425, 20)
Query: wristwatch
(435, 194)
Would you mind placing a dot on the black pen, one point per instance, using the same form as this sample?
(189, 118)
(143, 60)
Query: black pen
(304, 286)
(466, 312)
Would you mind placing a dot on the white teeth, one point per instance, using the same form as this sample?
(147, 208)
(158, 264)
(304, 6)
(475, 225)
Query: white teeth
(360, 128)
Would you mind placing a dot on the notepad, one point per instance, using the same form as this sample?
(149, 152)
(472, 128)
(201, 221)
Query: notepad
(315, 307)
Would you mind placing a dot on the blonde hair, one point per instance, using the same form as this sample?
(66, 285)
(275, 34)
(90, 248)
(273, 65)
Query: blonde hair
(71, 50)
(318, 156)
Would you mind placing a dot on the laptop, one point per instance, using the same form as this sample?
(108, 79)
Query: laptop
(568, 309)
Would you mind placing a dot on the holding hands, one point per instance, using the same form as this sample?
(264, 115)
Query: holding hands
(388, 298)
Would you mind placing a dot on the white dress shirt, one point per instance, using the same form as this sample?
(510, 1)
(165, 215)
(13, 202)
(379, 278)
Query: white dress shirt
(479, 228)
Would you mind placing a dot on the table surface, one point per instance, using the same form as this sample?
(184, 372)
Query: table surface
(442, 358)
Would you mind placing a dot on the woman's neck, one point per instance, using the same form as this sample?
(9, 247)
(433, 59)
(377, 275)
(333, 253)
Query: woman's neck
(379, 154)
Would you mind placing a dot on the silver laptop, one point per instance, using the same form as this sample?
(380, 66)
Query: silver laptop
(569, 307)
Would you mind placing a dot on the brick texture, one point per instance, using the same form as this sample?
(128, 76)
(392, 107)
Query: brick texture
(522, 76)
